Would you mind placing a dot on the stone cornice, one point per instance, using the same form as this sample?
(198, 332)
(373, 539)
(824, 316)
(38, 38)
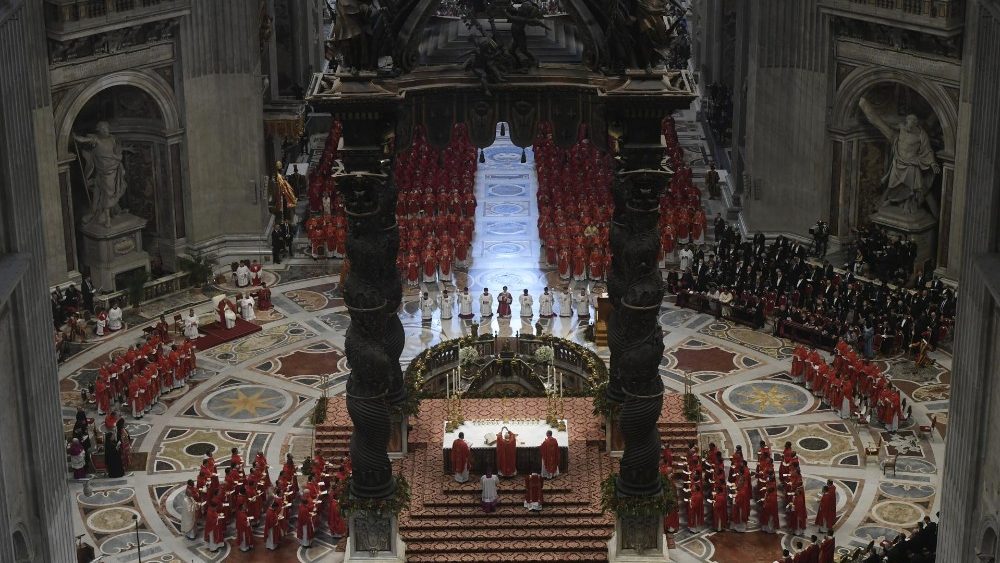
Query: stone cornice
(862, 52)
(83, 69)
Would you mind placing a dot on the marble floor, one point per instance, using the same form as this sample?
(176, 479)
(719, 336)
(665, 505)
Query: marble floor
(257, 394)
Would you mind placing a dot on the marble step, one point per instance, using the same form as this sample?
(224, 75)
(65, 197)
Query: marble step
(527, 557)
(550, 501)
(470, 512)
(494, 533)
(530, 548)
(528, 521)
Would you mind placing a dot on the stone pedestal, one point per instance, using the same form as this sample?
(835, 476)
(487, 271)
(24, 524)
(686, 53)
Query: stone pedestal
(109, 251)
(638, 540)
(920, 228)
(374, 537)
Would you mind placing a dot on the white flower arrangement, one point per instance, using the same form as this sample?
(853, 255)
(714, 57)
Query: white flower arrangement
(544, 354)
(467, 355)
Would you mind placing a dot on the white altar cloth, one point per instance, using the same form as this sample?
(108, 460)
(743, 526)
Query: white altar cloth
(530, 433)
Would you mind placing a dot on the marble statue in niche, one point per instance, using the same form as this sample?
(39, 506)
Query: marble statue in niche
(103, 172)
(913, 167)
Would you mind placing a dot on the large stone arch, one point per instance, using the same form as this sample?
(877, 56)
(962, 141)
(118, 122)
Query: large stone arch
(150, 83)
(988, 540)
(169, 203)
(845, 115)
(856, 154)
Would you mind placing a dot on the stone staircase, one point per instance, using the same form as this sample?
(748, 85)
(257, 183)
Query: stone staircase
(677, 435)
(445, 523)
(334, 440)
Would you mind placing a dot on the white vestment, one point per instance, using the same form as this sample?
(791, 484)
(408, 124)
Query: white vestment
(465, 304)
(526, 302)
(686, 256)
(565, 304)
(191, 326)
(101, 325)
(447, 304)
(246, 308)
(242, 276)
(489, 488)
(545, 302)
(582, 304)
(486, 305)
(230, 318)
(426, 308)
(189, 516)
(115, 318)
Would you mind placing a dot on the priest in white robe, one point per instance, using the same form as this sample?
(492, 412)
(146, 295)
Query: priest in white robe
(447, 304)
(582, 304)
(426, 308)
(242, 275)
(527, 302)
(490, 499)
(486, 304)
(465, 305)
(545, 304)
(115, 318)
(246, 308)
(565, 303)
(191, 325)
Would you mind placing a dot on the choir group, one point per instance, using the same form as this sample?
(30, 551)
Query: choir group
(574, 205)
(247, 498)
(141, 374)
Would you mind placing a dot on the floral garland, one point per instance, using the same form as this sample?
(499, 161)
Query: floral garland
(638, 507)
(544, 354)
(393, 505)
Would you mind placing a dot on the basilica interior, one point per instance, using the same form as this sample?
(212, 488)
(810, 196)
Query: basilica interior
(500, 280)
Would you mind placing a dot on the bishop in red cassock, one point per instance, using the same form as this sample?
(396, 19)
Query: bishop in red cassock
(506, 453)
(461, 460)
(550, 456)
(826, 516)
(533, 492)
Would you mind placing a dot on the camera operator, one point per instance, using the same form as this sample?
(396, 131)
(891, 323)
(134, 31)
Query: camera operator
(821, 236)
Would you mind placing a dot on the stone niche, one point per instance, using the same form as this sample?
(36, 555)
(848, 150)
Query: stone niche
(114, 250)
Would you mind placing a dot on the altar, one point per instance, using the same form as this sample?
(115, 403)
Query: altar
(482, 435)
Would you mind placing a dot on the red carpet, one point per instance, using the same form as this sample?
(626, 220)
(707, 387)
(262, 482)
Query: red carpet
(215, 333)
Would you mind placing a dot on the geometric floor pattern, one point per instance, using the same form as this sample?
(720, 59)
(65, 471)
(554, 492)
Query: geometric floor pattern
(256, 394)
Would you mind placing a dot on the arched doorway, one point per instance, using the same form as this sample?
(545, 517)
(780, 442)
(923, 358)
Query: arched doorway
(988, 545)
(861, 154)
(142, 116)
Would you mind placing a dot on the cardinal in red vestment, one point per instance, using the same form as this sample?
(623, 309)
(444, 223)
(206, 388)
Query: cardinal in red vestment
(533, 492)
(338, 528)
(550, 456)
(826, 516)
(506, 453)
(461, 460)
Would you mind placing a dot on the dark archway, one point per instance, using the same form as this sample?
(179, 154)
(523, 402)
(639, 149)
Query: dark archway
(138, 122)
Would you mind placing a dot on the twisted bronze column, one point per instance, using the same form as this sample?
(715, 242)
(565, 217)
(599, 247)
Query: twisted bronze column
(372, 293)
(635, 338)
